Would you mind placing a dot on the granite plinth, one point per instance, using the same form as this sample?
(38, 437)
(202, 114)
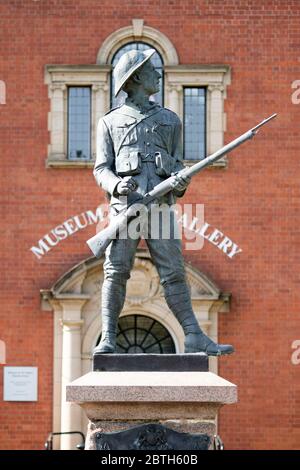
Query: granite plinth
(151, 362)
(163, 387)
(185, 401)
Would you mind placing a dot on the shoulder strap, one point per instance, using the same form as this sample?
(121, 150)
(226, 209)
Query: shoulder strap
(111, 110)
(139, 118)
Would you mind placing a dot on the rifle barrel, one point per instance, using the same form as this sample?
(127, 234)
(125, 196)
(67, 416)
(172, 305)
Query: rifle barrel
(99, 242)
(262, 123)
(226, 149)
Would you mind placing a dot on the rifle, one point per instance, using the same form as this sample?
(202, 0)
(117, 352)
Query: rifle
(101, 240)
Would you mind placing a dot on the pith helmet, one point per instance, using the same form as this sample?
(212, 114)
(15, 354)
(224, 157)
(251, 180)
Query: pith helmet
(128, 64)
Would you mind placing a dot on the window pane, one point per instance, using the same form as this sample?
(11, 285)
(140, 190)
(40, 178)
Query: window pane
(155, 59)
(194, 123)
(79, 123)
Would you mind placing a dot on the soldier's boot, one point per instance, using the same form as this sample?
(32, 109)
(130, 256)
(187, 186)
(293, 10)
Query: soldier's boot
(178, 299)
(113, 297)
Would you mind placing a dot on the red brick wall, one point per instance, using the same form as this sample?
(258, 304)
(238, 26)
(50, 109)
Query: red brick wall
(254, 201)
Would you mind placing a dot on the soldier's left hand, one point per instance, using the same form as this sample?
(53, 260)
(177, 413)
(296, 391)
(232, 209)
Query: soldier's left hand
(180, 183)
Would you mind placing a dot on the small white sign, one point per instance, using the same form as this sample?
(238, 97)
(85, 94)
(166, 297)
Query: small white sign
(20, 383)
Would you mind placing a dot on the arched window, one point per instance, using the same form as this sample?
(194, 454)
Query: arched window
(157, 62)
(140, 334)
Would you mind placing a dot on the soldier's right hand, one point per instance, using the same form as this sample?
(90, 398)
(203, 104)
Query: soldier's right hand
(126, 186)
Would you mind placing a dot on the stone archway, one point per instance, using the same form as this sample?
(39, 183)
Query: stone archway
(137, 31)
(75, 301)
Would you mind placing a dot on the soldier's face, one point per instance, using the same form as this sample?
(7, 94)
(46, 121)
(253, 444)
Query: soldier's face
(149, 78)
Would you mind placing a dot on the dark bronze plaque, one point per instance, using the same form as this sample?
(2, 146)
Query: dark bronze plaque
(151, 437)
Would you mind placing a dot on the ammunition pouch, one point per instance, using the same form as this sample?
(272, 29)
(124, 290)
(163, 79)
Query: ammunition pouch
(128, 162)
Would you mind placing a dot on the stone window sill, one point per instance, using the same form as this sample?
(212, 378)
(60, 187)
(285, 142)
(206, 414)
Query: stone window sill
(221, 164)
(50, 163)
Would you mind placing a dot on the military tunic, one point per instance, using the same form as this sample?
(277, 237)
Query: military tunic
(146, 146)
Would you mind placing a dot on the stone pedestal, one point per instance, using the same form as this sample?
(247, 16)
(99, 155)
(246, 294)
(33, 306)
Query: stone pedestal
(182, 397)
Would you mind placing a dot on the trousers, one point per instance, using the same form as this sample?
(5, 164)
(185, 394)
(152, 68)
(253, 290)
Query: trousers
(165, 248)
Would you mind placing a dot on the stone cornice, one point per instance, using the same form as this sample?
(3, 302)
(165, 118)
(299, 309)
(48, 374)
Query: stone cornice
(201, 68)
(78, 68)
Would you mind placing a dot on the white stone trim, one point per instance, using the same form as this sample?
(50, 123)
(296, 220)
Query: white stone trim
(2, 352)
(58, 78)
(71, 323)
(57, 372)
(137, 26)
(137, 31)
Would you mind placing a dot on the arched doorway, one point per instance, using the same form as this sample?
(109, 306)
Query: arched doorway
(75, 301)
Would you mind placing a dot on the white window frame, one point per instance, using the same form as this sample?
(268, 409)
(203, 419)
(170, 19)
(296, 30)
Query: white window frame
(214, 78)
(59, 78)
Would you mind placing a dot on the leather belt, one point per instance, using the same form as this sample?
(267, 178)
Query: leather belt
(147, 157)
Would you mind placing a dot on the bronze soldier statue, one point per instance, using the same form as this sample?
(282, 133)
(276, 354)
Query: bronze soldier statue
(139, 146)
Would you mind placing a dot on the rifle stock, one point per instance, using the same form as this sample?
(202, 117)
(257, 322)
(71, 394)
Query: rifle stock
(101, 240)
